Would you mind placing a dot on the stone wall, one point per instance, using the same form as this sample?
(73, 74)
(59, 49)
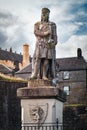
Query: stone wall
(77, 83)
(74, 75)
(75, 118)
(10, 111)
(75, 107)
(8, 63)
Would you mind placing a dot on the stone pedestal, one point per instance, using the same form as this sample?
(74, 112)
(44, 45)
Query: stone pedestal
(41, 102)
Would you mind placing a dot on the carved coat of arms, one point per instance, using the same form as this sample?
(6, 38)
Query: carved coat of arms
(38, 113)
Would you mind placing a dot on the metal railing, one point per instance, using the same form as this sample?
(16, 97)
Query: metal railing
(45, 126)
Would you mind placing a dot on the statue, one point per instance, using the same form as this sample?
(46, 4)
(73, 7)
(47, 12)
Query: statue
(44, 54)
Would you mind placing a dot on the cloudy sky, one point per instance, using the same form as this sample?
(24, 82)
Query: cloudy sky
(17, 18)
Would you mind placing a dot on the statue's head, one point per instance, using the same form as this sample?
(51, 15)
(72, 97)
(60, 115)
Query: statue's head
(45, 14)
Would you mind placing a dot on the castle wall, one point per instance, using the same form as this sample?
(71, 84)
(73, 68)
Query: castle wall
(10, 111)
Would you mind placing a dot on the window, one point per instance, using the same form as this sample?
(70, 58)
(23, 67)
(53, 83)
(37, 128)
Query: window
(66, 89)
(66, 75)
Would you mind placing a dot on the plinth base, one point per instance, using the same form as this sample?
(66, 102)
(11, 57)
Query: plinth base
(41, 102)
(40, 89)
(39, 83)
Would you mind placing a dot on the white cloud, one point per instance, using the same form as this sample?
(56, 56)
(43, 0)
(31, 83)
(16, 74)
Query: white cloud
(69, 49)
(28, 12)
(65, 30)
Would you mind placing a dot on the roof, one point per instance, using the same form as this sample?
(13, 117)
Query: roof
(26, 69)
(4, 69)
(73, 63)
(7, 55)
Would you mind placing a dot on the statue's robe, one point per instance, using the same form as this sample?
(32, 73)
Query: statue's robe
(45, 45)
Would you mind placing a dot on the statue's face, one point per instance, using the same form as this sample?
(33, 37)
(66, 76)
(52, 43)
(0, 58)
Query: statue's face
(45, 17)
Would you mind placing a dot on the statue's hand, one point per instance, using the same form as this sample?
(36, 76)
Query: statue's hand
(47, 32)
(50, 44)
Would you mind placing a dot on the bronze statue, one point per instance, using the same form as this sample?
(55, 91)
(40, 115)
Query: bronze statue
(44, 54)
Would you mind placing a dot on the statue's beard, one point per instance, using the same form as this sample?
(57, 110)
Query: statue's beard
(45, 20)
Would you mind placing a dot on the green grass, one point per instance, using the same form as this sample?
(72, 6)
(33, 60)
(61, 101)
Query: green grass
(11, 78)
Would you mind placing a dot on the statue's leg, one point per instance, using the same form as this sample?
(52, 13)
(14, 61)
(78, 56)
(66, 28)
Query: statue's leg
(36, 68)
(45, 69)
(41, 69)
(50, 71)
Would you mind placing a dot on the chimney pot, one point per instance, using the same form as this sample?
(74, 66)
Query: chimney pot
(11, 49)
(26, 60)
(79, 53)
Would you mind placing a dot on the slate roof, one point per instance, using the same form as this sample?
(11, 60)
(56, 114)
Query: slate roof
(25, 73)
(4, 69)
(64, 64)
(26, 69)
(73, 63)
(6, 55)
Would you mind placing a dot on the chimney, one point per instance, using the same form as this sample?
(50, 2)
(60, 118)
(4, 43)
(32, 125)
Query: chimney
(79, 53)
(26, 60)
(11, 49)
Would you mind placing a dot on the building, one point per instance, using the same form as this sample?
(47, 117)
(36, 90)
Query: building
(13, 60)
(5, 70)
(72, 78)
(25, 72)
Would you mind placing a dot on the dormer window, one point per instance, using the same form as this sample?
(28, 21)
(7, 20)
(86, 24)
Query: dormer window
(66, 75)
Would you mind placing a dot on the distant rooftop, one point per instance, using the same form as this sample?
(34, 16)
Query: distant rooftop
(4, 69)
(26, 69)
(64, 64)
(9, 55)
(73, 63)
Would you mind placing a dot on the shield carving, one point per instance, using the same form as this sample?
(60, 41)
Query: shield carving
(38, 113)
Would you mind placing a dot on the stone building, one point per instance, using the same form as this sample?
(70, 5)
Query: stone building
(5, 70)
(72, 78)
(25, 72)
(13, 60)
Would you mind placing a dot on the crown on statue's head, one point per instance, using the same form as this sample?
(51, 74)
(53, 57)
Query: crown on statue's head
(45, 10)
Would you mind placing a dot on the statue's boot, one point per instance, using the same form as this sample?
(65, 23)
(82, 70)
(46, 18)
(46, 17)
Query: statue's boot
(45, 78)
(33, 76)
(36, 69)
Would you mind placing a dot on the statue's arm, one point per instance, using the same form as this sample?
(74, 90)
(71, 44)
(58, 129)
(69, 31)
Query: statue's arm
(39, 32)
